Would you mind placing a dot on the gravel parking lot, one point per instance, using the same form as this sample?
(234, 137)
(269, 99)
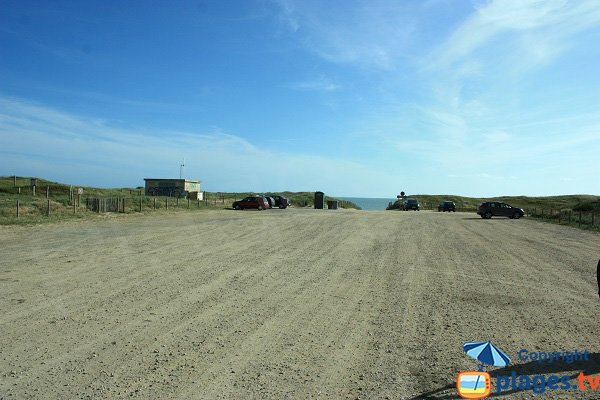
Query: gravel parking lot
(292, 303)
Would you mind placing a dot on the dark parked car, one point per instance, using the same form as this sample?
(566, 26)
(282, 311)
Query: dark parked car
(447, 206)
(411, 204)
(257, 202)
(491, 209)
(281, 202)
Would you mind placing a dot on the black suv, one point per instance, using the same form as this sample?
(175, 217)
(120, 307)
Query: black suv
(447, 206)
(411, 204)
(281, 202)
(491, 209)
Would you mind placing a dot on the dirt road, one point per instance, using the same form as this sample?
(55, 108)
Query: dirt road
(289, 304)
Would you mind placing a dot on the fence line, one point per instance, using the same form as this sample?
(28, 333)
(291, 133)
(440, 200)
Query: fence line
(566, 217)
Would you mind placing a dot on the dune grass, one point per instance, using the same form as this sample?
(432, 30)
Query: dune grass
(61, 205)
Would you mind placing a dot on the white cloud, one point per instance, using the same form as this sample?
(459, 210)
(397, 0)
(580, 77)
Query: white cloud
(542, 28)
(320, 84)
(497, 137)
(364, 34)
(40, 141)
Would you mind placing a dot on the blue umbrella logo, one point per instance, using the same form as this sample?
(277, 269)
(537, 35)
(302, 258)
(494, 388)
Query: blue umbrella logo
(486, 353)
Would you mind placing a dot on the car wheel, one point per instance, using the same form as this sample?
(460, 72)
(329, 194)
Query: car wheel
(488, 215)
(517, 215)
(260, 208)
(237, 207)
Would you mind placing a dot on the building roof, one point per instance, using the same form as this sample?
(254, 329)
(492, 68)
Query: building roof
(172, 179)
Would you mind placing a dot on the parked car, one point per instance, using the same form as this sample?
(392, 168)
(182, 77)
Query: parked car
(257, 202)
(491, 209)
(281, 202)
(447, 206)
(411, 204)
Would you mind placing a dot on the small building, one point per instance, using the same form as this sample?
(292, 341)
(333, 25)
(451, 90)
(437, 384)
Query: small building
(173, 188)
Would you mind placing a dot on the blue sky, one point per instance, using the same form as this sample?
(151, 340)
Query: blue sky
(363, 99)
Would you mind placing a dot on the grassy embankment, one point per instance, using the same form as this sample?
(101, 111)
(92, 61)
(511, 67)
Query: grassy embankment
(577, 210)
(575, 202)
(34, 209)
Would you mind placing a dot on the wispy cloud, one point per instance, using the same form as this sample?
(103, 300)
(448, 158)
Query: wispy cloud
(320, 84)
(365, 34)
(39, 140)
(541, 30)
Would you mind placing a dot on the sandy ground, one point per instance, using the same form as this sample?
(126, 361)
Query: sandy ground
(289, 304)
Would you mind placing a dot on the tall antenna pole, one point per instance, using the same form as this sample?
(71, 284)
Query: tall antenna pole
(181, 167)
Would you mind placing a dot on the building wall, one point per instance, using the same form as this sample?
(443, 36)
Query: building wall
(170, 187)
(192, 186)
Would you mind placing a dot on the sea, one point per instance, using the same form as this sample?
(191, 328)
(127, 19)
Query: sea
(369, 203)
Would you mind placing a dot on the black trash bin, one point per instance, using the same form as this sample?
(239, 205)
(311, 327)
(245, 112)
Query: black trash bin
(319, 200)
(332, 204)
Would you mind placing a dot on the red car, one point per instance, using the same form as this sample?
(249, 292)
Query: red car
(251, 202)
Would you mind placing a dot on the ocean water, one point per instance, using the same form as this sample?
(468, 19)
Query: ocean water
(370, 204)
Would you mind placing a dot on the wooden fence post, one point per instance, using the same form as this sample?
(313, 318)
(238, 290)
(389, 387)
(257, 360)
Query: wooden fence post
(48, 209)
(18, 214)
(167, 203)
(155, 203)
(74, 207)
(47, 191)
(188, 202)
(140, 204)
(198, 203)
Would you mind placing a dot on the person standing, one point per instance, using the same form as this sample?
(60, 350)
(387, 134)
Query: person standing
(598, 277)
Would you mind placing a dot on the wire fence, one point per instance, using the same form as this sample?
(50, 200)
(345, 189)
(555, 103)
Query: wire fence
(581, 219)
(33, 207)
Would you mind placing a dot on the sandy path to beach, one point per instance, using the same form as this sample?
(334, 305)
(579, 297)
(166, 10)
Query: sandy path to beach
(287, 304)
